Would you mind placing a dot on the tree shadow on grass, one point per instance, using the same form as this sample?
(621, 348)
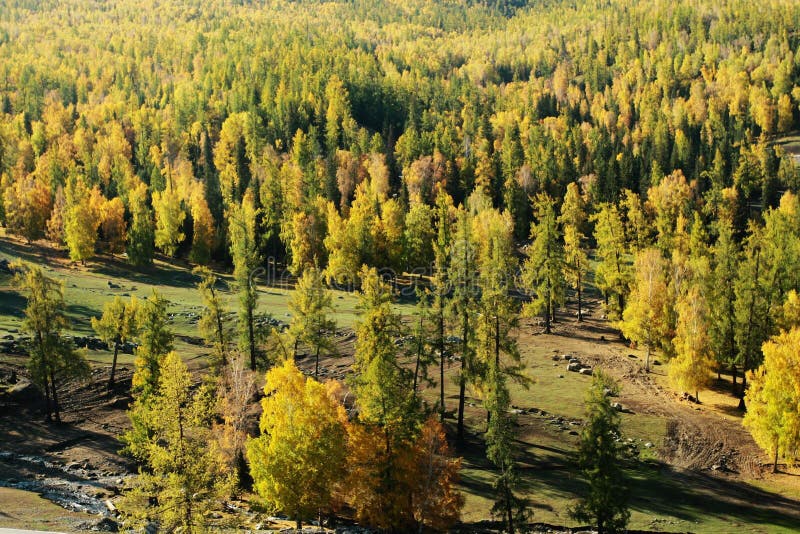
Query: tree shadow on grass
(694, 496)
(156, 275)
(12, 303)
(655, 488)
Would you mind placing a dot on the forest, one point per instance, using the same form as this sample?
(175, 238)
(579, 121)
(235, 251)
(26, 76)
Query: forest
(496, 164)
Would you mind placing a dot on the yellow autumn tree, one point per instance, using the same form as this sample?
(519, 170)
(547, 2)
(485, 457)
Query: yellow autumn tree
(643, 320)
(80, 220)
(689, 369)
(112, 225)
(203, 229)
(773, 400)
(28, 204)
(299, 456)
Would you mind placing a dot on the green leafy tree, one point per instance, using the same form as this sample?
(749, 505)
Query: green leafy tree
(52, 358)
(463, 281)
(117, 326)
(751, 308)
(244, 251)
(212, 320)
(576, 261)
(155, 341)
(544, 269)
(310, 305)
(184, 476)
(498, 315)
(440, 286)
(606, 501)
(383, 389)
(725, 256)
(612, 273)
(141, 232)
(500, 451)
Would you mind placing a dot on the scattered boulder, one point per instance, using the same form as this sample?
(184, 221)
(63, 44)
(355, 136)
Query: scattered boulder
(5, 266)
(574, 367)
(617, 406)
(586, 371)
(112, 285)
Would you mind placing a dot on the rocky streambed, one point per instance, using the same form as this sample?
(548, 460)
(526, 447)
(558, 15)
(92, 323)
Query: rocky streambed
(76, 486)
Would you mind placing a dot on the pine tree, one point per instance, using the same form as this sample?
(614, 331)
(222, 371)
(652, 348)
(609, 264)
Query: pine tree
(500, 451)
(576, 261)
(751, 307)
(463, 281)
(299, 457)
(612, 274)
(384, 394)
(52, 358)
(141, 234)
(244, 251)
(495, 344)
(184, 476)
(169, 219)
(211, 324)
(722, 324)
(543, 270)
(155, 341)
(117, 326)
(606, 501)
(310, 306)
(774, 395)
(440, 288)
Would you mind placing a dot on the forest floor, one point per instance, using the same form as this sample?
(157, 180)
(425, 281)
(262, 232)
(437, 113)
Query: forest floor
(692, 467)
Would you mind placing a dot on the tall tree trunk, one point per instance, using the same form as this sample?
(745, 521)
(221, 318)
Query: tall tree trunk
(547, 318)
(252, 339)
(775, 463)
(462, 381)
(113, 366)
(441, 363)
(316, 362)
(48, 408)
(56, 408)
(509, 508)
(580, 300)
(223, 350)
(742, 405)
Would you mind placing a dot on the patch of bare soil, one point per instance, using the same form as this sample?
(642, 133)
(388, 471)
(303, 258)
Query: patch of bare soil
(74, 463)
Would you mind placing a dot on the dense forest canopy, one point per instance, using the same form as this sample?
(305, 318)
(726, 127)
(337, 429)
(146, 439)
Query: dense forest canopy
(301, 101)
(513, 153)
